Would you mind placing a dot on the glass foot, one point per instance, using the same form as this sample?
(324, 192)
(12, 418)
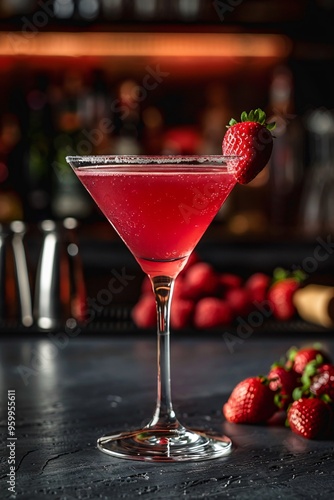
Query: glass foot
(165, 445)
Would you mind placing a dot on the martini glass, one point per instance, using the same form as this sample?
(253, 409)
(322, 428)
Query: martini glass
(160, 206)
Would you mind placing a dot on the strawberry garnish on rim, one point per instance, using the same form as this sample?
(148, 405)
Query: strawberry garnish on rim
(252, 141)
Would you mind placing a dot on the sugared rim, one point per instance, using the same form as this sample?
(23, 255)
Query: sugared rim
(154, 160)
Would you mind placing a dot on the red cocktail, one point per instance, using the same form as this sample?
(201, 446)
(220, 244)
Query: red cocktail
(160, 206)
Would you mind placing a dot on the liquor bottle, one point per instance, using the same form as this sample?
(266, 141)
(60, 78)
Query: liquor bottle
(37, 159)
(11, 195)
(127, 119)
(317, 196)
(69, 198)
(286, 166)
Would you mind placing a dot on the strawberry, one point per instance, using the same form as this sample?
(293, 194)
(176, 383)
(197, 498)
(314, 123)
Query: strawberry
(310, 417)
(252, 140)
(323, 382)
(229, 280)
(239, 300)
(280, 297)
(284, 381)
(193, 259)
(251, 402)
(299, 358)
(280, 294)
(200, 280)
(318, 380)
(146, 286)
(211, 312)
(178, 291)
(181, 313)
(144, 312)
(257, 285)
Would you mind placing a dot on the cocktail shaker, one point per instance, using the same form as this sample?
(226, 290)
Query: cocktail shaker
(15, 288)
(60, 294)
(25, 310)
(47, 300)
(3, 235)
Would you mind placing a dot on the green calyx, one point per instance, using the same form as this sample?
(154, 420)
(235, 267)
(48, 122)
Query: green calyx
(257, 116)
(310, 370)
(291, 353)
(281, 274)
(264, 380)
(279, 400)
(300, 392)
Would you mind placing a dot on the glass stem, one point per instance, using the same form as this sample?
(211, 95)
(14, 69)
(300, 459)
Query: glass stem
(164, 416)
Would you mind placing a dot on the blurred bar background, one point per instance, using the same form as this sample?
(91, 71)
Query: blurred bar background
(152, 77)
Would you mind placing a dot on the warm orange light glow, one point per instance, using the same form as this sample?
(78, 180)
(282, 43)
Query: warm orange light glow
(144, 44)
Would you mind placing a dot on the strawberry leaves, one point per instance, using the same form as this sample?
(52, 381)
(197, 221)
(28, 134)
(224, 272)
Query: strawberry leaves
(281, 274)
(257, 116)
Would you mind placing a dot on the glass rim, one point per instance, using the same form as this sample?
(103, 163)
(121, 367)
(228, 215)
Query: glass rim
(100, 161)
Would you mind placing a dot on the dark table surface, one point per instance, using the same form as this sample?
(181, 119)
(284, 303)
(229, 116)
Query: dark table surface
(70, 391)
